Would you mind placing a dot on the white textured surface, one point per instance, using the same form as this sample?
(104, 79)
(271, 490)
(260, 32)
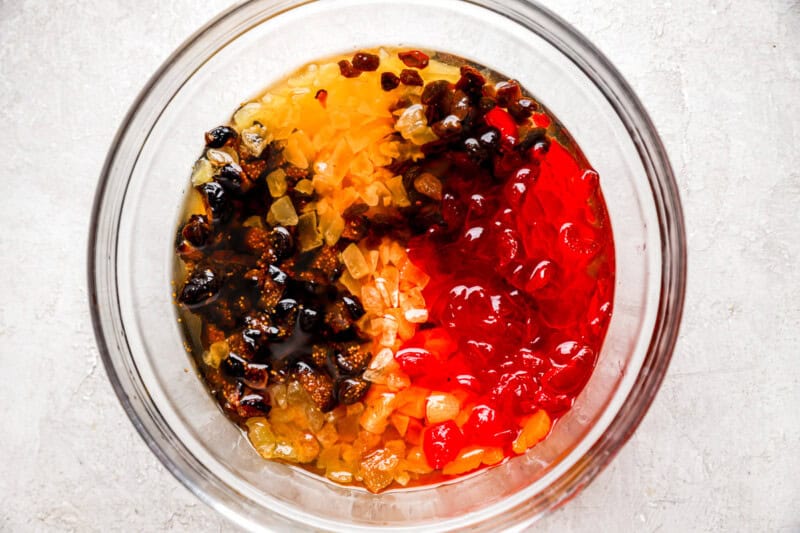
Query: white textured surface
(720, 448)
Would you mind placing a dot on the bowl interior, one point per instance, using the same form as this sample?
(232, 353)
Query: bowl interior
(147, 178)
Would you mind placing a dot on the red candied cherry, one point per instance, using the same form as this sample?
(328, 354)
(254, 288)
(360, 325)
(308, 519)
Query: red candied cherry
(508, 247)
(527, 359)
(570, 378)
(441, 443)
(542, 275)
(500, 119)
(478, 205)
(568, 350)
(415, 361)
(469, 382)
(577, 242)
(554, 404)
(522, 180)
(587, 183)
(486, 427)
(513, 388)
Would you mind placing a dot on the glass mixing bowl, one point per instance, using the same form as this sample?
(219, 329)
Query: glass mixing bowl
(141, 193)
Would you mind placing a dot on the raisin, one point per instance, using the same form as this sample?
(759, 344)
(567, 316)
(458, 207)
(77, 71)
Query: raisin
(389, 81)
(435, 91)
(217, 201)
(282, 242)
(220, 135)
(351, 390)
(353, 306)
(256, 375)
(522, 108)
(414, 59)
(201, 288)
(285, 308)
(366, 62)
(449, 126)
(309, 319)
(196, 231)
(475, 150)
(347, 70)
(486, 104)
(531, 138)
(507, 92)
(277, 275)
(490, 139)
(471, 81)
(231, 177)
(233, 366)
(253, 404)
(411, 78)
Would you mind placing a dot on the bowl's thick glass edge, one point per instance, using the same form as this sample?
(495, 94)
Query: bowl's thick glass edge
(671, 227)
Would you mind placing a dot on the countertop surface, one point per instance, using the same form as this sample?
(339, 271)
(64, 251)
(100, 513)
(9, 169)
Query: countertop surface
(719, 449)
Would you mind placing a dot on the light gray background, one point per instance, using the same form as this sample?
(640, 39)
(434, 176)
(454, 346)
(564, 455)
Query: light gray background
(718, 451)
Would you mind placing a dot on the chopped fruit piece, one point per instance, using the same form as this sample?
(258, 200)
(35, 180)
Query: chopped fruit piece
(534, 429)
(414, 58)
(355, 262)
(441, 406)
(282, 212)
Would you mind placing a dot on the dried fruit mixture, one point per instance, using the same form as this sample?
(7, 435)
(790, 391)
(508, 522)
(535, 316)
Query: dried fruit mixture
(398, 268)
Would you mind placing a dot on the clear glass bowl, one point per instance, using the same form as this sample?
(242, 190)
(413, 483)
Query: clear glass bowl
(141, 192)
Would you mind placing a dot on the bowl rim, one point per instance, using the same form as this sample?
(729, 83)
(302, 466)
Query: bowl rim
(652, 153)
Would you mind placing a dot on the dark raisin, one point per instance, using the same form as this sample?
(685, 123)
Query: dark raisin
(413, 59)
(490, 139)
(353, 306)
(256, 375)
(411, 78)
(471, 81)
(277, 275)
(285, 308)
(254, 338)
(351, 390)
(389, 81)
(531, 138)
(197, 230)
(366, 62)
(231, 177)
(435, 91)
(347, 70)
(522, 108)
(507, 92)
(461, 106)
(309, 319)
(449, 126)
(201, 288)
(282, 242)
(254, 402)
(218, 201)
(486, 104)
(474, 150)
(317, 384)
(233, 366)
(217, 137)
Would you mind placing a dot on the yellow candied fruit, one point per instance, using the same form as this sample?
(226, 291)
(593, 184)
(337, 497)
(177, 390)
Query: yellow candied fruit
(534, 429)
(282, 212)
(276, 182)
(216, 353)
(355, 262)
(304, 186)
(440, 407)
(308, 234)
